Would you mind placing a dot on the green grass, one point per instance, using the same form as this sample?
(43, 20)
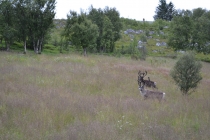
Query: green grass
(96, 97)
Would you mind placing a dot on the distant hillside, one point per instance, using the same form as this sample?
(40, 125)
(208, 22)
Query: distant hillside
(152, 34)
(59, 23)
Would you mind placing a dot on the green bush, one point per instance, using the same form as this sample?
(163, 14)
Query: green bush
(186, 73)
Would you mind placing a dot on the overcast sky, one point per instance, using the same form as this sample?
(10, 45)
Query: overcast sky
(132, 9)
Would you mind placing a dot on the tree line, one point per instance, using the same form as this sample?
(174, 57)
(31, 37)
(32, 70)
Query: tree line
(26, 21)
(189, 29)
(30, 22)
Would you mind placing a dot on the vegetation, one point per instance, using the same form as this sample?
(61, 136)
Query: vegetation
(68, 96)
(103, 31)
(81, 31)
(186, 73)
(190, 31)
(165, 11)
(26, 21)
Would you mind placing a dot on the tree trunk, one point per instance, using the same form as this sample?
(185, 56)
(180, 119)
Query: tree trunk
(85, 52)
(8, 45)
(37, 46)
(34, 45)
(40, 46)
(25, 47)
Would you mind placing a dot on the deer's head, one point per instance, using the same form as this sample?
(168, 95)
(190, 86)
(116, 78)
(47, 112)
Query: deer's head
(141, 76)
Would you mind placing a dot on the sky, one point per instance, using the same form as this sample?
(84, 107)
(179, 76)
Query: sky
(132, 9)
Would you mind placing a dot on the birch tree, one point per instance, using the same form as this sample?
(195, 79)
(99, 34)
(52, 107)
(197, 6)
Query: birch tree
(81, 31)
(7, 24)
(42, 15)
(22, 11)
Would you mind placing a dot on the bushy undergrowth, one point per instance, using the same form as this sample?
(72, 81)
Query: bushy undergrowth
(96, 98)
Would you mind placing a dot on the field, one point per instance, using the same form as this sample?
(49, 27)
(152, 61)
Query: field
(62, 97)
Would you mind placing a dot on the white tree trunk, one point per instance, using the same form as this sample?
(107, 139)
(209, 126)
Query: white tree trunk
(37, 46)
(85, 52)
(40, 46)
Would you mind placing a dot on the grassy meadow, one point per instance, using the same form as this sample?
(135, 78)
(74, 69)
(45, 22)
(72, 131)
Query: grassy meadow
(71, 97)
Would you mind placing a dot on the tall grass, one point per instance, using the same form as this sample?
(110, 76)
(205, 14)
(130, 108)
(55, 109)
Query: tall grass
(96, 98)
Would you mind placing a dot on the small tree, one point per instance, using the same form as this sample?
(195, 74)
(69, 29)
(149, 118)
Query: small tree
(186, 73)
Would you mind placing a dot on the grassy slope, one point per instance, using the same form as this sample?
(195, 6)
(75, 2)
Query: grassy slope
(96, 97)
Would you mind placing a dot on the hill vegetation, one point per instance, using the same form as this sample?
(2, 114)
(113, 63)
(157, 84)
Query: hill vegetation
(102, 31)
(153, 34)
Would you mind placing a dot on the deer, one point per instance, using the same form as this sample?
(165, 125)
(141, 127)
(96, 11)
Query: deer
(147, 94)
(147, 83)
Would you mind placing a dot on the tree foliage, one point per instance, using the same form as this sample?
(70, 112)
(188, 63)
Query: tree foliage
(101, 28)
(114, 17)
(189, 30)
(164, 11)
(107, 36)
(41, 20)
(27, 21)
(186, 73)
(97, 17)
(7, 25)
(180, 33)
(81, 31)
(109, 24)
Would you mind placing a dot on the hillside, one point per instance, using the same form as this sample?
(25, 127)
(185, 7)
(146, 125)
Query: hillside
(96, 97)
(152, 35)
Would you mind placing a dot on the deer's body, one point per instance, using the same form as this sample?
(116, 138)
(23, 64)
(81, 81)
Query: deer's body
(148, 83)
(151, 94)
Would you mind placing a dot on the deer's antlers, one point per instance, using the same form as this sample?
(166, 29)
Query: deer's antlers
(147, 83)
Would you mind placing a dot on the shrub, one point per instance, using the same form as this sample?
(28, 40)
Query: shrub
(186, 73)
(143, 38)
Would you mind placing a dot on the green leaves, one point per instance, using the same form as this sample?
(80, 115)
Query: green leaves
(97, 30)
(7, 24)
(190, 31)
(180, 33)
(81, 31)
(109, 24)
(26, 19)
(114, 17)
(108, 35)
(164, 11)
(186, 73)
